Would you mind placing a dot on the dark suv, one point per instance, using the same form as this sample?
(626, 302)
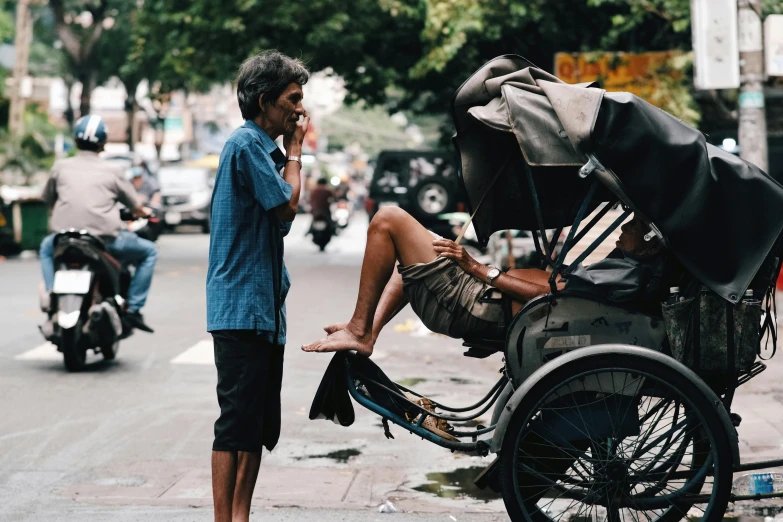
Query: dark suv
(426, 184)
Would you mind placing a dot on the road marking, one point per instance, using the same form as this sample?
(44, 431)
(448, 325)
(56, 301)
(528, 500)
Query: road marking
(200, 353)
(45, 352)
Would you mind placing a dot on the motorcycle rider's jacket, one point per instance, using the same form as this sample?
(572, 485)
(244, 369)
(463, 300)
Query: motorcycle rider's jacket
(86, 192)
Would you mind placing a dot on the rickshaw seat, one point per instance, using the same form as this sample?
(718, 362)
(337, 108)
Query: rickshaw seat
(481, 348)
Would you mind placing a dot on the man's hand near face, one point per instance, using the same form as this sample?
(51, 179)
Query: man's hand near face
(292, 141)
(294, 137)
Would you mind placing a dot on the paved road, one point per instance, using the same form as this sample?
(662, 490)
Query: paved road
(130, 440)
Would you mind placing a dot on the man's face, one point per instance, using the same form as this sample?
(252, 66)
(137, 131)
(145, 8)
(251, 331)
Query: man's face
(285, 112)
(136, 180)
(632, 236)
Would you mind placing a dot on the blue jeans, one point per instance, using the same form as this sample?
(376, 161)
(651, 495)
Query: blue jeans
(128, 249)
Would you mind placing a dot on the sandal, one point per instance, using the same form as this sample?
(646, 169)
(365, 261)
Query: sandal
(439, 427)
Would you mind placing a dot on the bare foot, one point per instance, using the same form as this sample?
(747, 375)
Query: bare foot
(342, 340)
(336, 327)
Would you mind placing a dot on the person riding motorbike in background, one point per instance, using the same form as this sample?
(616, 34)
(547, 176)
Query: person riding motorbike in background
(85, 193)
(146, 187)
(321, 197)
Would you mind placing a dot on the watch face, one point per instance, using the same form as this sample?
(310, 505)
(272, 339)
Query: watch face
(493, 273)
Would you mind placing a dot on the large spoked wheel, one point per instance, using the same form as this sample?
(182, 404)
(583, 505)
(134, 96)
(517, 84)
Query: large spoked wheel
(615, 437)
(74, 351)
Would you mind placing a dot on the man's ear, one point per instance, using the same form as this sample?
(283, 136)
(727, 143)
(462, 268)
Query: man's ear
(261, 102)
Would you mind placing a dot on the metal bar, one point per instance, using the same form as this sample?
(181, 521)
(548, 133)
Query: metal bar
(503, 380)
(425, 434)
(598, 241)
(548, 261)
(569, 239)
(593, 222)
(763, 464)
(536, 206)
(431, 413)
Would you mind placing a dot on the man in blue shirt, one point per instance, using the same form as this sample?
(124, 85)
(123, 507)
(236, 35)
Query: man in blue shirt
(252, 209)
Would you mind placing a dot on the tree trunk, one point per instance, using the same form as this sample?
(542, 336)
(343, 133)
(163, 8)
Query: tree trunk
(69, 116)
(130, 111)
(87, 79)
(131, 106)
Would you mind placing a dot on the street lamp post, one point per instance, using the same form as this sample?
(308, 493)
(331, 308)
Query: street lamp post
(752, 118)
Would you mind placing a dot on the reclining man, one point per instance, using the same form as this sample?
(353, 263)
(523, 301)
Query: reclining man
(446, 287)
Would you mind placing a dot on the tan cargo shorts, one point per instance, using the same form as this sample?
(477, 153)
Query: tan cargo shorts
(451, 302)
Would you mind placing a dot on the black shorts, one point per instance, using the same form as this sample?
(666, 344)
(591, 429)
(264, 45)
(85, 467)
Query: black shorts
(250, 374)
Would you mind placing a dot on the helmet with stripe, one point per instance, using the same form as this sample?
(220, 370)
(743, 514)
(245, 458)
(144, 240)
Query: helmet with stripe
(90, 133)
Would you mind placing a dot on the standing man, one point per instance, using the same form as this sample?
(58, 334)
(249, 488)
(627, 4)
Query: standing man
(247, 282)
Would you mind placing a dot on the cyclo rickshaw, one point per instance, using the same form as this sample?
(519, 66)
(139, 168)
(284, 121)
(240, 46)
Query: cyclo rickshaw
(603, 411)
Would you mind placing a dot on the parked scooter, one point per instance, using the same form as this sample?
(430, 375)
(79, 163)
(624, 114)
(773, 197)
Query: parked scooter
(88, 299)
(321, 230)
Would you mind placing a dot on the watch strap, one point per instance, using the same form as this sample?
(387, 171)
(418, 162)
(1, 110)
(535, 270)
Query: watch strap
(297, 159)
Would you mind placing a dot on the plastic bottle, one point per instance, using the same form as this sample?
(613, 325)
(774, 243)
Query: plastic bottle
(758, 484)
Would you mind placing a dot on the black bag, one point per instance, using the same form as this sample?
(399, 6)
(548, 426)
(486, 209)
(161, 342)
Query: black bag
(698, 327)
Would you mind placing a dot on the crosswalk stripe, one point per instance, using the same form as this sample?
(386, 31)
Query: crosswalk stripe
(44, 352)
(200, 353)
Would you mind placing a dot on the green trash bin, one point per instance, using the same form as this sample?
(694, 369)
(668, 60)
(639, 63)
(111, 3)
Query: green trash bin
(30, 220)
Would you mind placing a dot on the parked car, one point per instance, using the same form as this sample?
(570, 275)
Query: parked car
(187, 195)
(425, 184)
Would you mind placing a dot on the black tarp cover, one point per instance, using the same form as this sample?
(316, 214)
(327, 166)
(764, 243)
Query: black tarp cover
(717, 213)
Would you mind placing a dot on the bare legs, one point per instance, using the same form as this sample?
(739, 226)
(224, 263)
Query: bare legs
(234, 477)
(393, 300)
(393, 235)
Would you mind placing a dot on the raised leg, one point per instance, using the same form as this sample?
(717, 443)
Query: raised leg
(393, 234)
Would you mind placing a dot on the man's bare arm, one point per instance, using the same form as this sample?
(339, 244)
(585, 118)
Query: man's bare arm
(291, 175)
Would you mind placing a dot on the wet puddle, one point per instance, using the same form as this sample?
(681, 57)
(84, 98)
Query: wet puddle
(341, 456)
(457, 380)
(411, 381)
(457, 484)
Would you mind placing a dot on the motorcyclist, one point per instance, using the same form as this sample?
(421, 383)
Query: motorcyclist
(321, 198)
(85, 192)
(146, 187)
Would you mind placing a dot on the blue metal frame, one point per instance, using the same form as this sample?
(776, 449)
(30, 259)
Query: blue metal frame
(481, 447)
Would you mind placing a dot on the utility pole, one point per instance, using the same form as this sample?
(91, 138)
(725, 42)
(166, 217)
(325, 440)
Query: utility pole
(24, 36)
(752, 118)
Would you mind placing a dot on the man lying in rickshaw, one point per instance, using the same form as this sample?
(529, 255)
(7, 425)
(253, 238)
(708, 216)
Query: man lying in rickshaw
(447, 288)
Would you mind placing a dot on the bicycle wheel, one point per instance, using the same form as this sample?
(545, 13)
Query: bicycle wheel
(617, 437)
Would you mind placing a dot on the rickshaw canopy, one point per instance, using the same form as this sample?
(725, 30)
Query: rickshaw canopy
(718, 214)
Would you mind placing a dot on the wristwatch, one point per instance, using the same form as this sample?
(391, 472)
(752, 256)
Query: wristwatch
(296, 159)
(493, 274)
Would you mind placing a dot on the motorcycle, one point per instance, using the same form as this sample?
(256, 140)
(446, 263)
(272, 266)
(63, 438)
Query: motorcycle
(341, 214)
(88, 299)
(147, 228)
(321, 230)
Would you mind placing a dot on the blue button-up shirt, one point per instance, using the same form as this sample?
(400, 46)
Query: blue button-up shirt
(242, 256)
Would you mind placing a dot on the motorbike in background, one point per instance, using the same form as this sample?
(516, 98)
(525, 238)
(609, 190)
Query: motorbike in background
(147, 228)
(321, 230)
(341, 214)
(87, 301)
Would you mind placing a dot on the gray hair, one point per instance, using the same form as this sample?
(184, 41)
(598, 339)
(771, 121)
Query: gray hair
(268, 73)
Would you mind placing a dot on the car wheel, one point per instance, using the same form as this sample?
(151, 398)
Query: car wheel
(432, 197)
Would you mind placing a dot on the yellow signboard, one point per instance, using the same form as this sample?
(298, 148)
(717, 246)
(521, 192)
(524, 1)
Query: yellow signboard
(635, 73)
